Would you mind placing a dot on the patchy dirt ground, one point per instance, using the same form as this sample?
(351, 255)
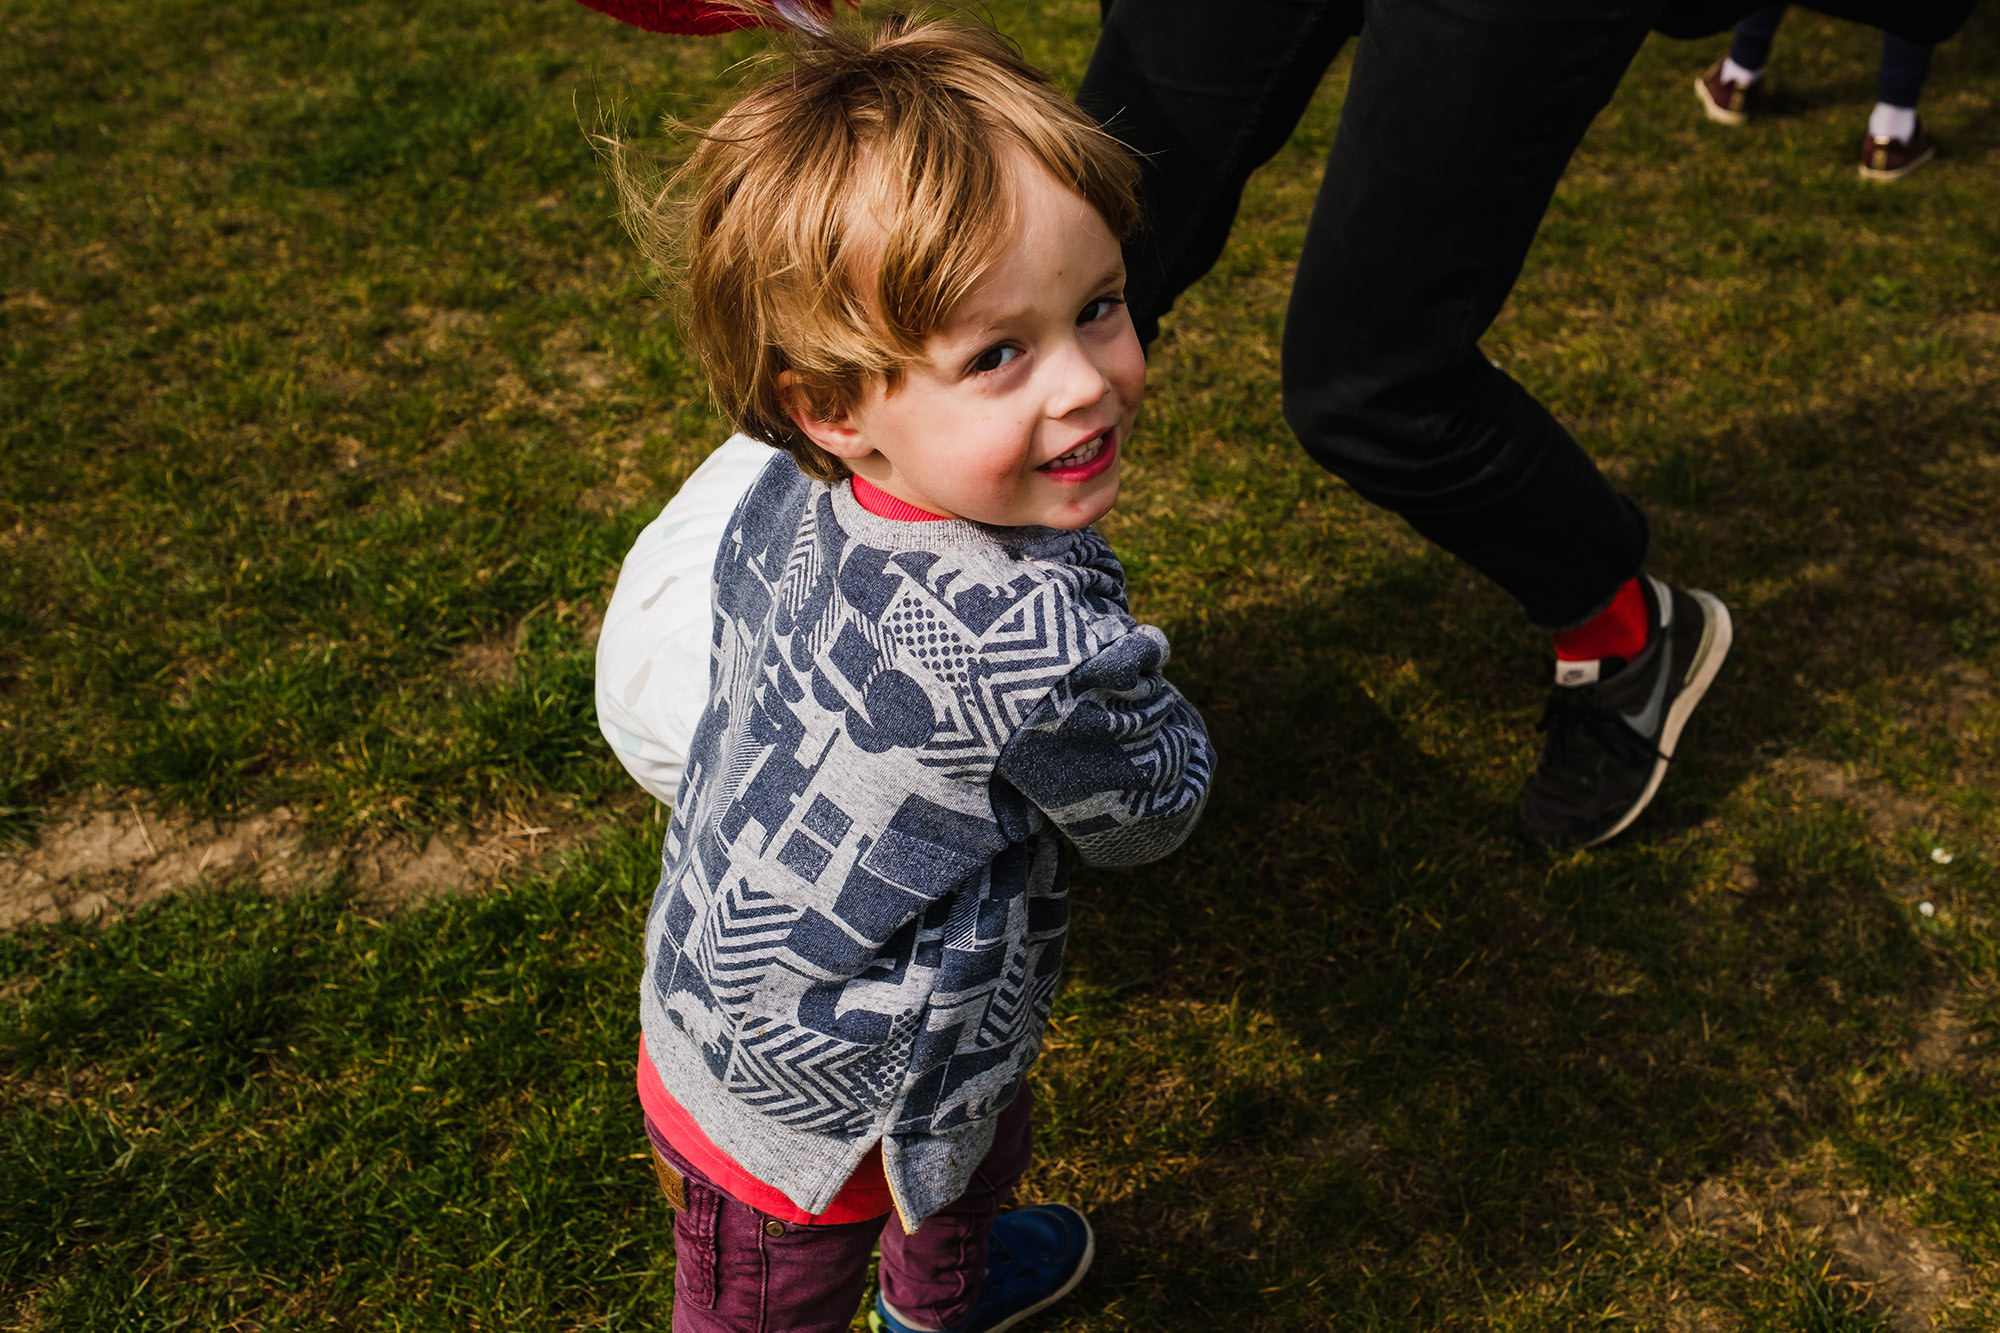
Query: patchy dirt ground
(1901, 1269)
(1943, 1035)
(1887, 812)
(104, 858)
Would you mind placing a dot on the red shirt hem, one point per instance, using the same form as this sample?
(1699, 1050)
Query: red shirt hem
(863, 1198)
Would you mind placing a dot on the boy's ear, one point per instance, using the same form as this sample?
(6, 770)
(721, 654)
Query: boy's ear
(835, 434)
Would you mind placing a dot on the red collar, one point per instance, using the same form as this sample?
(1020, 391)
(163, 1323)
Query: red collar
(884, 505)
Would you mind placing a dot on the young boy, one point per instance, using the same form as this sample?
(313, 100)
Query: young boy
(902, 263)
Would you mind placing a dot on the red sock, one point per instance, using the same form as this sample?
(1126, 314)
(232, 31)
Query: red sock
(1619, 630)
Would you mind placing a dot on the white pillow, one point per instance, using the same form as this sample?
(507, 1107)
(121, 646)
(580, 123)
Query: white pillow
(652, 654)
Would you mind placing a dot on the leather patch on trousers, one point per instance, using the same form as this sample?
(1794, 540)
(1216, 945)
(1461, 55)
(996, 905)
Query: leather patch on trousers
(672, 1183)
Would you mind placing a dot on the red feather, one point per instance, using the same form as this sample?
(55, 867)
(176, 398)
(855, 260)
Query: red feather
(697, 18)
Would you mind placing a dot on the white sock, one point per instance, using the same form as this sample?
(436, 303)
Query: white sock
(1892, 122)
(1735, 73)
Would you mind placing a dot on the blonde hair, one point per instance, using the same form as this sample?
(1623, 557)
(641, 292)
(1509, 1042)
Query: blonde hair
(829, 222)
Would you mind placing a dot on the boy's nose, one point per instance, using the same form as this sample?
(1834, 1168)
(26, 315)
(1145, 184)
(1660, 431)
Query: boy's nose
(1077, 380)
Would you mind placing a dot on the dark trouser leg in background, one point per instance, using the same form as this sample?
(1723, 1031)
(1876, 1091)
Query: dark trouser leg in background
(1899, 81)
(1751, 46)
(1460, 118)
(1897, 142)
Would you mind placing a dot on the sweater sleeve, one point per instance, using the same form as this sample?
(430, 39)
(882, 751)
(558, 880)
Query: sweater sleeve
(1115, 756)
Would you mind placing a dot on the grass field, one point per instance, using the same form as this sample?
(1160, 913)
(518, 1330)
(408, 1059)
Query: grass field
(333, 395)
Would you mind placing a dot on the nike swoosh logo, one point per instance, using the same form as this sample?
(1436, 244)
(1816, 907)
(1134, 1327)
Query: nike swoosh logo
(1647, 720)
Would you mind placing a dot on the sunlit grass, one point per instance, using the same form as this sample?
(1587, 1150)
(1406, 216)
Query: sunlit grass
(332, 388)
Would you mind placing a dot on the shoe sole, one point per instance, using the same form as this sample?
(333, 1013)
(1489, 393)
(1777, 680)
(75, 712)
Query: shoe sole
(1717, 634)
(1717, 112)
(1869, 173)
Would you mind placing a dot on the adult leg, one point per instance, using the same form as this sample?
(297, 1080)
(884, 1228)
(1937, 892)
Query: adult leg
(1459, 120)
(1897, 142)
(1460, 117)
(933, 1277)
(1750, 48)
(1205, 96)
(1899, 80)
(1729, 89)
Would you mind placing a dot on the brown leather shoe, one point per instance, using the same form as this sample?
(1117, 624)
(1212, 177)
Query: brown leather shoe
(1893, 159)
(1726, 102)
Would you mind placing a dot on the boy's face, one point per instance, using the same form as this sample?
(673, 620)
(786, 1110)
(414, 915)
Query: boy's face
(1021, 405)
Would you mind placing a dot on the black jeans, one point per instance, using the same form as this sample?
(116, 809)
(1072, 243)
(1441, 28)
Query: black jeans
(1899, 80)
(1460, 118)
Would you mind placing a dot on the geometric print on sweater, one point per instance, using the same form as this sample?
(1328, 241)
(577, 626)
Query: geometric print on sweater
(861, 913)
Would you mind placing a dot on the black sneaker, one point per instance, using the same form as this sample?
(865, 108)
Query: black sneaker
(1608, 740)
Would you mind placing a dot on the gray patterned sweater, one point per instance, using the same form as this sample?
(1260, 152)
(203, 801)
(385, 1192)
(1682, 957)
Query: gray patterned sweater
(862, 907)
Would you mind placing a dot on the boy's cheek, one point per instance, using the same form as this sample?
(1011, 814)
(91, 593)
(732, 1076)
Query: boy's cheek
(1131, 365)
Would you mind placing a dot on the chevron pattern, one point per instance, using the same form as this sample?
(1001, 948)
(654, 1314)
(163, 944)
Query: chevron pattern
(845, 938)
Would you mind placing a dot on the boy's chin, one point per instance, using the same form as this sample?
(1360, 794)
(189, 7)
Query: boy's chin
(1086, 509)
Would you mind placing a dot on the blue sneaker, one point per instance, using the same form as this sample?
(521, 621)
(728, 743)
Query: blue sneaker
(1034, 1258)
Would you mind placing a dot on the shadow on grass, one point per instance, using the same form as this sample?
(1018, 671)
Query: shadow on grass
(1414, 1057)
(1356, 1057)
(1468, 1048)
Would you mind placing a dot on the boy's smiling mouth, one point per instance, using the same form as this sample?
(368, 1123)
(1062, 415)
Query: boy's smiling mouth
(1086, 460)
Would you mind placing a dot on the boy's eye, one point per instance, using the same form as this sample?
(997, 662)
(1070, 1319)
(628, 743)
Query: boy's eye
(1101, 308)
(994, 357)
